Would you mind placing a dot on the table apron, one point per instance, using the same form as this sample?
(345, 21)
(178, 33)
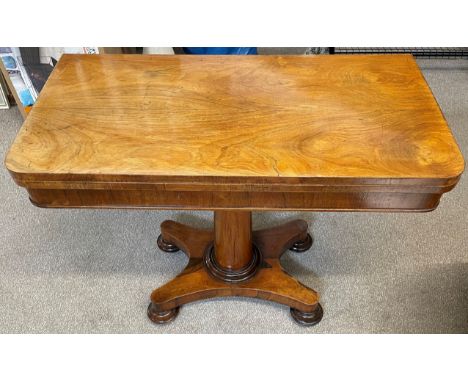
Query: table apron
(193, 200)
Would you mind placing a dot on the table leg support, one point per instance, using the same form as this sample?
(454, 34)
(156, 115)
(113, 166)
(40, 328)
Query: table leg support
(234, 261)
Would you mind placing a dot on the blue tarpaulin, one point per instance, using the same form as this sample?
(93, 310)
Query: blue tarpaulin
(220, 50)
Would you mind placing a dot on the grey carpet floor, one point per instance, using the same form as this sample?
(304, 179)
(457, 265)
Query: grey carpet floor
(91, 271)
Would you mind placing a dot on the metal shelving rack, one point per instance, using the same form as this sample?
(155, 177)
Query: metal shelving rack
(417, 52)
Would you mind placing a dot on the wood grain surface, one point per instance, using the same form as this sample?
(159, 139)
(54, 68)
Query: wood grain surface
(242, 124)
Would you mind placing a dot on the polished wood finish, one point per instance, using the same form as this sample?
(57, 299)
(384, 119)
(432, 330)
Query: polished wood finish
(233, 238)
(302, 245)
(270, 281)
(308, 318)
(294, 201)
(163, 317)
(234, 134)
(142, 131)
(233, 256)
(166, 246)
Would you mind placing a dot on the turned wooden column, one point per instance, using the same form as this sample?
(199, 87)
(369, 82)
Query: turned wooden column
(233, 239)
(233, 257)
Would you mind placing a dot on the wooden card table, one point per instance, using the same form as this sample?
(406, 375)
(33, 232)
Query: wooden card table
(236, 134)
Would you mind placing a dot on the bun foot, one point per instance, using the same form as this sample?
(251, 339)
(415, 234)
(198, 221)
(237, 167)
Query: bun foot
(166, 246)
(308, 319)
(302, 246)
(162, 317)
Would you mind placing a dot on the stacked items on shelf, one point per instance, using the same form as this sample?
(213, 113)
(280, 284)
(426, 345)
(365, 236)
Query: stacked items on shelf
(18, 76)
(26, 70)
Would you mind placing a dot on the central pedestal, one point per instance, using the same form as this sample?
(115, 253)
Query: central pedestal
(233, 257)
(234, 261)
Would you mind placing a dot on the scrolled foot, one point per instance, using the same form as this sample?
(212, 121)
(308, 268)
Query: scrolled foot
(302, 246)
(166, 246)
(308, 319)
(162, 317)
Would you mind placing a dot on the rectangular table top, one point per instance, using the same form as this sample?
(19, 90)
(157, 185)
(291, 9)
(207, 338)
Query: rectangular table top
(245, 120)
